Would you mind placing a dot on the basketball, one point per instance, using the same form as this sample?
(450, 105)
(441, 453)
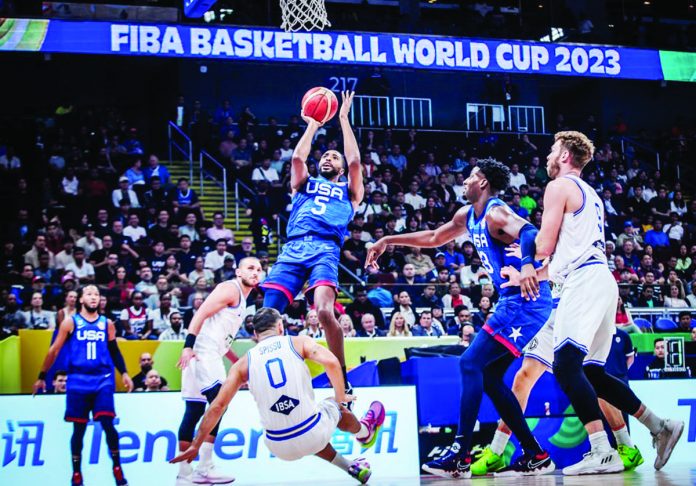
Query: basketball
(320, 103)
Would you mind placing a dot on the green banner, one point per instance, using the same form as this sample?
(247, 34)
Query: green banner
(678, 66)
(10, 370)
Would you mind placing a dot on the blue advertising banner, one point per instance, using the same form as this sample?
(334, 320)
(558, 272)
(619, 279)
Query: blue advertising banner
(395, 50)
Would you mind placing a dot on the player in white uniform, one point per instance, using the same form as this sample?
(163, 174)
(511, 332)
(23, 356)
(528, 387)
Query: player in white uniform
(279, 380)
(572, 234)
(211, 332)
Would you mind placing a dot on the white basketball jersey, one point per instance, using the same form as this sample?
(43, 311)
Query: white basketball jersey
(581, 238)
(281, 385)
(220, 329)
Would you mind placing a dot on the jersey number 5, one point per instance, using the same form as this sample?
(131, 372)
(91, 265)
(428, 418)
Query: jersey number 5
(320, 203)
(276, 372)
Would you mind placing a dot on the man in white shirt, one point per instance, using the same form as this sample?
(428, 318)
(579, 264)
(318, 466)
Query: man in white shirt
(517, 178)
(413, 198)
(286, 151)
(124, 193)
(89, 242)
(83, 271)
(133, 230)
(216, 259)
(176, 332)
(32, 256)
(265, 173)
(218, 230)
(458, 187)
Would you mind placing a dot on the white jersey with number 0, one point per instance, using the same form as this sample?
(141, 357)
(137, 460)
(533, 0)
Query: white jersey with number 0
(281, 385)
(219, 330)
(581, 237)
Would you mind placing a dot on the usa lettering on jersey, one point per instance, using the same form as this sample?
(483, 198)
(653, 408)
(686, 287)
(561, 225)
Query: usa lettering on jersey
(324, 189)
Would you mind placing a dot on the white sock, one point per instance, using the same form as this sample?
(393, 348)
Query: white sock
(623, 437)
(363, 433)
(206, 454)
(340, 462)
(500, 440)
(599, 442)
(651, 421)
(185, 469)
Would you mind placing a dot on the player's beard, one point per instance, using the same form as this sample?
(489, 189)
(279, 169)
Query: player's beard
(90, 310)
(554, 168)
(248, 283)
(329, 174)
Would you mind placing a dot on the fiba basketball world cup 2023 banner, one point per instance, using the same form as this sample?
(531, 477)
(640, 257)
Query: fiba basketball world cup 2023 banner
(398, 50)
(34, 441)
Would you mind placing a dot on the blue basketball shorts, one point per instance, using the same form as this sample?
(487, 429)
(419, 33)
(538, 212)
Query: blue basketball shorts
(80, 402)
(516, 321)
(307, 259)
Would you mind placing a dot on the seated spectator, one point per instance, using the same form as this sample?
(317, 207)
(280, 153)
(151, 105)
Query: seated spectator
(200, 286)
(156, 198)
(361, 306)
(312, 327)
(471, 274)
(216, 259)
(82, 270)
(632, 234)
(517, 208)
(146, 364)
(60, 382)
(403, 305)
(32, 256)
(121, 286)
(674, 229)
(368, 328)
(155, 169)
(145, 285)
(454, 259)
(200, 272)
(69, 308)
(527, 201)
(37, 317)
(190, 228)
(196, 303)
(691, 298)
(455, 298)
(66, 256)
(675, 298)
(228, 271)
(428, 298)
(89, 242)
(420, 261)
(684, 323)
(466, 335)
(13, 319)
(134, 231)
(380, 297)
(354, 252)
(184, 199)
(649, 282)
(160, 316)
(136, 319)
(622, 273)
(462, 317)
(153, 382)
(44, 270)
(266, 173)
(346, 324)
(124, 193)
(624, 320)
(218, 230)
(425, 325)
(408, 282)
(439, 318)
(245, 251)
(656, 237)
(398, 326)
(175, 332)
(484, 309)
(654, 369)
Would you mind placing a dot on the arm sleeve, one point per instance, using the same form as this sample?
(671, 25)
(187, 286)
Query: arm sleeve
(528, 234)
(116, 356)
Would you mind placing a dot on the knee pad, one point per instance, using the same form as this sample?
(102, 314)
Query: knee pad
(193, 413)
(275, 299)
(567, 364)
(210, 395)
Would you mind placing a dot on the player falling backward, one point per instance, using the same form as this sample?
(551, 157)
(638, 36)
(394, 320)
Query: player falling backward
(92, 355)
(211, 332)
(578, 337)
(492, 226)
(322, 208)
(295, 424)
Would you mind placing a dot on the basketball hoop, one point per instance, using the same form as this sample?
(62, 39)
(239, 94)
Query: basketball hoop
(303, 15)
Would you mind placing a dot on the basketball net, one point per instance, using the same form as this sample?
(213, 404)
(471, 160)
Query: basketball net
(303, 15)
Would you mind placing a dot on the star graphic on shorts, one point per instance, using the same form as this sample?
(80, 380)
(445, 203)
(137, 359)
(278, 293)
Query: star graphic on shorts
(515, 333)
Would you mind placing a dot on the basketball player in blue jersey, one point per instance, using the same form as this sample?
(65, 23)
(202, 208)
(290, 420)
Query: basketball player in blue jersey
(492, 226)
(322, 208)
(93, 353)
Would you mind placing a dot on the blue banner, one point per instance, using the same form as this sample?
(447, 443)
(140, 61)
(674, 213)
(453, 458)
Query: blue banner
(395, 50)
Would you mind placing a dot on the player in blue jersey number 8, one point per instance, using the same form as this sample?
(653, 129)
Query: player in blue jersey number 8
(322, 208)
(520, 313)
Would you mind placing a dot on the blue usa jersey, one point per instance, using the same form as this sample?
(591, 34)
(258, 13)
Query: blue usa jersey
(490, 250)
(89, 361)
(321, 208)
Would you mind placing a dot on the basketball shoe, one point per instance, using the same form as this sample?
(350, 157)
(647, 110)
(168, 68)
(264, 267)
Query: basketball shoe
(209, 475)
(486, 461)
(77, 479)
(630, 456)
(455, 464)
(373, 420)
(596, 462)
(119, 477)
(360, 470)
(665, 440)
(528, 465)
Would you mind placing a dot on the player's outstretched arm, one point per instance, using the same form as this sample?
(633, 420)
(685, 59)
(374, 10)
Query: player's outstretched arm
(351, 150)
(117, 357)
(66, 327)
(555, 198)
(298, 169)
(238, 374)
(225, 294)
(423, 239)
(309, 349)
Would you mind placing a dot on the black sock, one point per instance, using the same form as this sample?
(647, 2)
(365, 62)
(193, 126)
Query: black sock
(77, 464)
(116, 458)
(345, 376)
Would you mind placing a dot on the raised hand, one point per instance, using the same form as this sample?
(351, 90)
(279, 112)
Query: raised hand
(346, 103)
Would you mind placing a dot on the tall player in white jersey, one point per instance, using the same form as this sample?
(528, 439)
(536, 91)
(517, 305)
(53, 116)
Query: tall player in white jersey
(211, 332)
(572, 234)
(295, 424)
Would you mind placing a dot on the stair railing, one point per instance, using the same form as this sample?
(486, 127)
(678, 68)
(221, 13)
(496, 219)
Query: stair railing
(185, 148)
(205, 158)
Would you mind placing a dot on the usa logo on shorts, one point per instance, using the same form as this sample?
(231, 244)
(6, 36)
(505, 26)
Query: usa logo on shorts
(533, 344)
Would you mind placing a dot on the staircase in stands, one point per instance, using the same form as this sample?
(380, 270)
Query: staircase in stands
(211, 200)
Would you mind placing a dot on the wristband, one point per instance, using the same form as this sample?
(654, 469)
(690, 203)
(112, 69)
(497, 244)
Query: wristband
(42, 375)
(190, 341)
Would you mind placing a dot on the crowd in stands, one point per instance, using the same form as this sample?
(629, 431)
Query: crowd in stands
(103, 209)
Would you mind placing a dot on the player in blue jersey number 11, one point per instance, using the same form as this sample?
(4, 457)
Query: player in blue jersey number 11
(322, 208)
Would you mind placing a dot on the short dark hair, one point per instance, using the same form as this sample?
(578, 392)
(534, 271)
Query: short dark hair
(684, 313)
(265, 319)
(59, 373)
(497, 174)
(658, 340)
(220, 240)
